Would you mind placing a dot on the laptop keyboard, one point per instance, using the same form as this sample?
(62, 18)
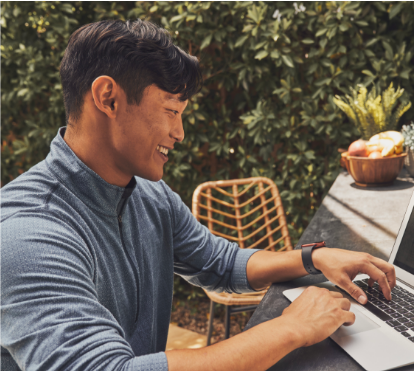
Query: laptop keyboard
(398, 313)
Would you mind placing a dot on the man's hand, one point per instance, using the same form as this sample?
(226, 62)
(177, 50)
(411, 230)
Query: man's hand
(342, 266)
(311, 318)
(317, 313)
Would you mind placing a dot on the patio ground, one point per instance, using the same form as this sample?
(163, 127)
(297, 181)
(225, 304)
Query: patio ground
(193, 315)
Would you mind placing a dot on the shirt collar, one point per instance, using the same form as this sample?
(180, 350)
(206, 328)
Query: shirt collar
(88, 186)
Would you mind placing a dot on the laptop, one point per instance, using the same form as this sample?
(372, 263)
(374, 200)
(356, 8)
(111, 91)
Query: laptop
(382, 337)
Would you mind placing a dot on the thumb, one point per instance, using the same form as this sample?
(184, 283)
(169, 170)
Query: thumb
(356, 292)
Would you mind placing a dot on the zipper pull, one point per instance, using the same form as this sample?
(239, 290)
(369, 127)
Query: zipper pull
(120, 218)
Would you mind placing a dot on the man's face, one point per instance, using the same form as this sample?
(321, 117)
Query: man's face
(146, 133)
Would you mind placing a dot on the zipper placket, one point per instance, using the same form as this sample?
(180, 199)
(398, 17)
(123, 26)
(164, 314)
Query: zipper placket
(120, 210)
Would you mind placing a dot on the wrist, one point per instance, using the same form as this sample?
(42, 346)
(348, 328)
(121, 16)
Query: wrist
(307, 256)
(292, 330)
(317, 258)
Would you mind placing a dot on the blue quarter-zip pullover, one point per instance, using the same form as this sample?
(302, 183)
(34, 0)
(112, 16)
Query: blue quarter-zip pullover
(87, 267)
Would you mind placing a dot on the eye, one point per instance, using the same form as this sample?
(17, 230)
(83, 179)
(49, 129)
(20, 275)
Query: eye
(173, 111)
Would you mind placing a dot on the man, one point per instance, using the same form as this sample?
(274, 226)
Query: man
(91, 236)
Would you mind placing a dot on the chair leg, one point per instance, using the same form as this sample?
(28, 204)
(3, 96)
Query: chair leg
(227, 322)
(210, 323)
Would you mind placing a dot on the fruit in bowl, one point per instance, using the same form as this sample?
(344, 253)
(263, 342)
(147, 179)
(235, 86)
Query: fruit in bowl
(358, 148)
(376, 162)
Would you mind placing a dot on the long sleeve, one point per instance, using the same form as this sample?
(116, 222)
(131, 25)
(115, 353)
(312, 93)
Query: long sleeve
(204, 259)
(51, 316)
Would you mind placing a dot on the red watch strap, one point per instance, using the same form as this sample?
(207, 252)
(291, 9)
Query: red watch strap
(307, 256)
(315, 244)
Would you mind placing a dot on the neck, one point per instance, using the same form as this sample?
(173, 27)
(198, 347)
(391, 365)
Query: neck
(92, 145)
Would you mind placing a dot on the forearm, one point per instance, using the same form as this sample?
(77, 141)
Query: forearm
(256, 349)
(266, 267)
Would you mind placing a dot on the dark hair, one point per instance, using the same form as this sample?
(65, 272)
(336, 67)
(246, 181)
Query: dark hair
(135, 54)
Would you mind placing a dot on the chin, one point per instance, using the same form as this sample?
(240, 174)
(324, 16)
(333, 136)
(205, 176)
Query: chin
(151, 177)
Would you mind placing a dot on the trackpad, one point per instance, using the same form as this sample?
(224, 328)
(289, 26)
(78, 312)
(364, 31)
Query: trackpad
(362, 323)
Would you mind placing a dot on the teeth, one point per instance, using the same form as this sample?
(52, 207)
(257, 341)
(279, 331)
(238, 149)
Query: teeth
(162, 150)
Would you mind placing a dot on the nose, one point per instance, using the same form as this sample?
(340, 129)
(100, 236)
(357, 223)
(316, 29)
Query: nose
(177, 133)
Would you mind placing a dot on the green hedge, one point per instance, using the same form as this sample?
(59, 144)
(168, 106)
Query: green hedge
(270, 71)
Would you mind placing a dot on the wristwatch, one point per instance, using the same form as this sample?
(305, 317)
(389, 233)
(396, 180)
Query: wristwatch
(307, 256)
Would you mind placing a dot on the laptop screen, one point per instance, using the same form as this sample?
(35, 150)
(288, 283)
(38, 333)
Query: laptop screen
(405, 255)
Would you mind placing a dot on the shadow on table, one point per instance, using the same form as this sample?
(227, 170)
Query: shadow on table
(362, 216)
(336, 230)
(396, 186)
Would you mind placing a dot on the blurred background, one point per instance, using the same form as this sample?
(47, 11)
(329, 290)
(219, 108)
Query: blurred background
(270, 69)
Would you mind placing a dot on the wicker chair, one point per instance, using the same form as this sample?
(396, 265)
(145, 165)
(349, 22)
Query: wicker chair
(249, 212)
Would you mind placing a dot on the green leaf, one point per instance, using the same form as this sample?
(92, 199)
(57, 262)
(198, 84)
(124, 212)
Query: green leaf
(361, 23)
(396, 8)
(369, 53)
(405, 74)
(177, 17)
(307, 41)
(66, 8)
(275, 54)
(388, 48)
(321, 32)
(206, 42)
(260, 45)
(371, 42)
(368, 72)
(288, 61)
(325, 81)
(262, 54)
(200, 116)
(344, 26)
(22, 92)
(16, 11)
(240, 41)
(310, 155)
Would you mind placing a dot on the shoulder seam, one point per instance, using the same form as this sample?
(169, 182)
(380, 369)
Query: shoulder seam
(49, 194)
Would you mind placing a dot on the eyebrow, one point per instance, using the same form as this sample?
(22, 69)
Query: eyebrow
(173, 97)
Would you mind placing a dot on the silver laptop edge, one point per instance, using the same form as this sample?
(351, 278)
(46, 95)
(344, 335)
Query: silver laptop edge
(370, 341)
(403, 275)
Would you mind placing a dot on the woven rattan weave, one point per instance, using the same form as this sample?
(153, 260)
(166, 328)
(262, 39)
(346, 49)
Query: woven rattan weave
(247, 211)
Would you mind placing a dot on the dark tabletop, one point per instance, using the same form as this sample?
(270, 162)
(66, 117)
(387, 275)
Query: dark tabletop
(350, 218)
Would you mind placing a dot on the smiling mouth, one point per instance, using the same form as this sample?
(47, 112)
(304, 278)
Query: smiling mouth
(163, 151)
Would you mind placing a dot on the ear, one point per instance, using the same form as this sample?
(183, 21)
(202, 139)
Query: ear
(105, 93)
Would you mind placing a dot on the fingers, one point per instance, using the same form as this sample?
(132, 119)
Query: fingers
(349, 318)
(336, 294)
(345, 304)
(356, 292)
(388, 269)
(379, 276)
(379, 271)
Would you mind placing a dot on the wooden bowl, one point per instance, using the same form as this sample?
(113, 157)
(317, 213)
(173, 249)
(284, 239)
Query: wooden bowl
(373, 172)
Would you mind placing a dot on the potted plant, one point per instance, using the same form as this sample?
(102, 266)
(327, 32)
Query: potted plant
(373, 112)
(377, 158)
(408, 134)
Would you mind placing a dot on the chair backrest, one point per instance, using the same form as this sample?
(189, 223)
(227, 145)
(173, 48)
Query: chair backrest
(247, 211)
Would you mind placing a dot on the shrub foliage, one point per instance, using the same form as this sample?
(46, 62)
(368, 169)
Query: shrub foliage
(270, 73)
